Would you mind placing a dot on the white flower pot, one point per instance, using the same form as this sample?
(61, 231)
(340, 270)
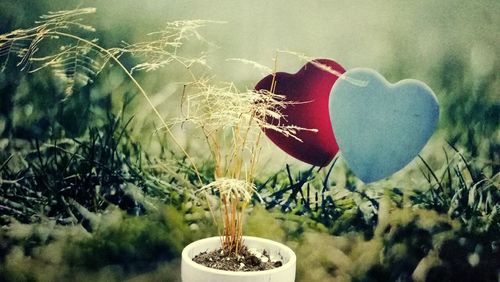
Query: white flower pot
(194, 272)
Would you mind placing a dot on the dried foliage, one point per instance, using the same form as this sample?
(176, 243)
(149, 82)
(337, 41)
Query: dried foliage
(74, 63)
(77, 60)
(230, 119)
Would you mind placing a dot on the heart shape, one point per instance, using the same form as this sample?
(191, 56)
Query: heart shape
(310, 88)
(381, 127)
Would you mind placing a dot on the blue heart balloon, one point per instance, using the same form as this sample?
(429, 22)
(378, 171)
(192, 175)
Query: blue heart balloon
(380, 127)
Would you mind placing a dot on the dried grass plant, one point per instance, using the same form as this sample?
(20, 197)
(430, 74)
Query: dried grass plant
(231, 120)
(76, 60)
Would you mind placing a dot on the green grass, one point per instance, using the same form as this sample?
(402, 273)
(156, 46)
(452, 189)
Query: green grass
(453, 216)
(61, 179)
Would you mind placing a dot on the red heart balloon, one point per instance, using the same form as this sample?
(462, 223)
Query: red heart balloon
(310, 87)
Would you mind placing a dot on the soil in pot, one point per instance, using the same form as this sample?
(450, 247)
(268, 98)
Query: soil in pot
(246, 260)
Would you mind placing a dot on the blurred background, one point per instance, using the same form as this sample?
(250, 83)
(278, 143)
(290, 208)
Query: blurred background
(453, 46)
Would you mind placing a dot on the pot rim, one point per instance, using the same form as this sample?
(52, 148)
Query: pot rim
(286, 250)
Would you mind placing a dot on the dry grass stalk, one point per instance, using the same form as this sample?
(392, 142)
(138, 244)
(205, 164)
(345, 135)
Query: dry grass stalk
(76, 60)
(231, 120)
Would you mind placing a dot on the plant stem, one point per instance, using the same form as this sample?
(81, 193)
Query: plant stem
(139, 87)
